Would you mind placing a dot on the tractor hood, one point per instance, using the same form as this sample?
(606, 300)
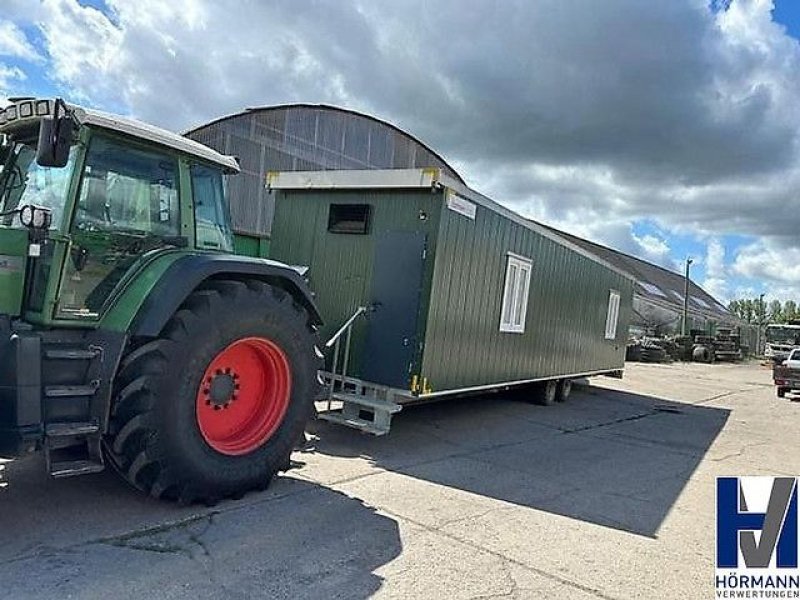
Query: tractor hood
(13, 256)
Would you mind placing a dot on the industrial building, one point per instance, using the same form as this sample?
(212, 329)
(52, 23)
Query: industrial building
(658, 298)
(307, 137)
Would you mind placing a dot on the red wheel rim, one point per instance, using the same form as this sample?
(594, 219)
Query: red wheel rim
(243, 396)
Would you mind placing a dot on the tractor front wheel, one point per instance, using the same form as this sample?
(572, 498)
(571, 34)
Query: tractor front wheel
(215, 405)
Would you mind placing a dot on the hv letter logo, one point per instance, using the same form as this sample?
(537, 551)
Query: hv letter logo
(761, 538)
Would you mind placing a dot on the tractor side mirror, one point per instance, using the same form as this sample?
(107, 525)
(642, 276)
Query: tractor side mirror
(55, 140)
(5, 150)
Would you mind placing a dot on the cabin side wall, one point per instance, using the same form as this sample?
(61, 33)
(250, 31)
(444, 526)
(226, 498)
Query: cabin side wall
(341, 265)
(566, 309)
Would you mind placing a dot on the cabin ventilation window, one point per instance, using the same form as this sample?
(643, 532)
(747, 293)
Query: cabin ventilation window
(613, 315)
(515, 294)
(349, 218)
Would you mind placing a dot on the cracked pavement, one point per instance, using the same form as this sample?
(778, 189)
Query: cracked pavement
(610, 495)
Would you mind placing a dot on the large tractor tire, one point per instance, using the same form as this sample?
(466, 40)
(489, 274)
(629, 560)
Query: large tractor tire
(214, 406)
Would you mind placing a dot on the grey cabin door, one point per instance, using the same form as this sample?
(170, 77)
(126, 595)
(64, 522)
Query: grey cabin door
(391, 341)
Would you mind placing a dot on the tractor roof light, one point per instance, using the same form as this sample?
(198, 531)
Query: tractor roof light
(24, 109)
(35, 217)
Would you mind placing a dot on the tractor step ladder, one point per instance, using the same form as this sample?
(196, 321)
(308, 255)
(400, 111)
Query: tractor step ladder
(364, 407)
(73, 448)
(71, 436)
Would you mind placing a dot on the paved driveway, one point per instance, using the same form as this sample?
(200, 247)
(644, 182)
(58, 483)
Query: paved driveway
(610, 495)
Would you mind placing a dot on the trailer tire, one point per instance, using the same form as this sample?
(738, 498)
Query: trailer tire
(547, 392)
(782, 392)
(171, 433)
(564, 390)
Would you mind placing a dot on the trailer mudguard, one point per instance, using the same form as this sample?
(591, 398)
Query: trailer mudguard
(187, 273)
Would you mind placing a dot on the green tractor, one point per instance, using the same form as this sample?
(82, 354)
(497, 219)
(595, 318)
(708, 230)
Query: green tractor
(131, 334)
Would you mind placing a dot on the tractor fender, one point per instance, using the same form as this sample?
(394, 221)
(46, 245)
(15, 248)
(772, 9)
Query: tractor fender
(189, 272)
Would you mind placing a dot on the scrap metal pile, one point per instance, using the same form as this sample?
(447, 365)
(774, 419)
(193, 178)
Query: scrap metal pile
(725, 345)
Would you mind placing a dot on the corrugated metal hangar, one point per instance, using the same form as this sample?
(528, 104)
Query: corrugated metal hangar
(305, 137)
(659, 294)
(309, 137)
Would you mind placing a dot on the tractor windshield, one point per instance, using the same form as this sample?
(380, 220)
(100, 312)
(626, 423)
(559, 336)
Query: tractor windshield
(24, 182)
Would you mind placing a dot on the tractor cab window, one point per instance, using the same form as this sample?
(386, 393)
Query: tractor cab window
(127, 207)
(128, 190)
(210, 210)
(23, 182)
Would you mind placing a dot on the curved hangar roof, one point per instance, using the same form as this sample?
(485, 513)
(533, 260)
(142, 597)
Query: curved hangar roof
(305, 137)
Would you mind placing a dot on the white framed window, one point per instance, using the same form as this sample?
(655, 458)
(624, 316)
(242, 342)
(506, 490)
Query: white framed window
(612, 317)
(515, 294)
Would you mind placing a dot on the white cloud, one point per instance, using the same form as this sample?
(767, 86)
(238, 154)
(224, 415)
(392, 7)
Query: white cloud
(84, 48)
(716, 272)
(14, 43)
(9, 78)
(765, 261)
(775, 268)
(653, 249)
(585, 119)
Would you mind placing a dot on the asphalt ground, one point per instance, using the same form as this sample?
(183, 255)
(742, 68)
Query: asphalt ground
(610, 495)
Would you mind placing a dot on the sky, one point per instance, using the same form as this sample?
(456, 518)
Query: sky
(661, 129)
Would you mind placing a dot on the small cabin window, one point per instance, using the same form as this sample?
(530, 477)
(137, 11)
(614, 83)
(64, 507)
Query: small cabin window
(515, 294)
(349, 218)
(612, 317)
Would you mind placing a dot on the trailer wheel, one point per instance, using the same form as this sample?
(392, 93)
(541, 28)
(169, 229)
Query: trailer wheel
(547, 392)
(564, 390)
(782, 392)
(214, 406)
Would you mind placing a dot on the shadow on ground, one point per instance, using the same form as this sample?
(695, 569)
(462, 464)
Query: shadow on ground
(611, 458)
(296, 540)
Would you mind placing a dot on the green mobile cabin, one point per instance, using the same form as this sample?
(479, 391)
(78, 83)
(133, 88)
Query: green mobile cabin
(459, 294)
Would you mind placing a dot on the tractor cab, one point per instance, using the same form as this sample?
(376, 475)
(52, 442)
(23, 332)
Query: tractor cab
(85, 198)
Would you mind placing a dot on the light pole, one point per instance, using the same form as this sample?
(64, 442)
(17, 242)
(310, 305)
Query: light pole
(759, 323)
(685, 327)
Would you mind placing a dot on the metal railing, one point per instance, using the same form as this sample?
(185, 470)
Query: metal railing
(335, 342)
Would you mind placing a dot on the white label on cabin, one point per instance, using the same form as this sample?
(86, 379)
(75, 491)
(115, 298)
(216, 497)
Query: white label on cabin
(460, 205)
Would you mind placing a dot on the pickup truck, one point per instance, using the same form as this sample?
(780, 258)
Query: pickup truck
(786, 375)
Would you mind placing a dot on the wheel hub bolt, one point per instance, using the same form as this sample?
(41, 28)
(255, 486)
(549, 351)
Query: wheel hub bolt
(220, 391)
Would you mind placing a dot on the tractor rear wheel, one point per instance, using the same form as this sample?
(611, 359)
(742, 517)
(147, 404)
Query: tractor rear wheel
(214, 406)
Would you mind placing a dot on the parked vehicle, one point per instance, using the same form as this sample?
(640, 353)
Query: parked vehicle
(781, 338)
(699, 346)
(786, 375)
(442, 292)
(648, 350)
(130, 333)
